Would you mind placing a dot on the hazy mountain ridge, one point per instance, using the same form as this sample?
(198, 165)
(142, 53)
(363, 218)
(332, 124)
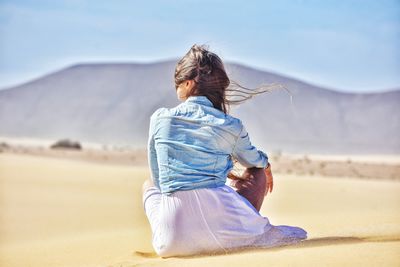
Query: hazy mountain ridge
(112, 103)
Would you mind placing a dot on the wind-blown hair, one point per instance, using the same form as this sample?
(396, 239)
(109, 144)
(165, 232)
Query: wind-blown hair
(211, 80)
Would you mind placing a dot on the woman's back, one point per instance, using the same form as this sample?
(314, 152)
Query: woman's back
(192, 145)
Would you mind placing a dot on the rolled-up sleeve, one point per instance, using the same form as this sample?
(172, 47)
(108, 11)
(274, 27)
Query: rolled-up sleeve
(248, 155)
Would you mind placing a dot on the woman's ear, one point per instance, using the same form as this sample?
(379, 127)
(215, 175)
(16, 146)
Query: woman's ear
(188, 84)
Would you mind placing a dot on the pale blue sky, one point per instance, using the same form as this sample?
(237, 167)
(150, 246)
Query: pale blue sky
(348, 45)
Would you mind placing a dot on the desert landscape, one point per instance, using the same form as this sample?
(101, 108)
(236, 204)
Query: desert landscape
(315, 85)
(73, 159)
(83, 208)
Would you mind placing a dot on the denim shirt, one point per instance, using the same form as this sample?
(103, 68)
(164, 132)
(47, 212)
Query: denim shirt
(192, 146)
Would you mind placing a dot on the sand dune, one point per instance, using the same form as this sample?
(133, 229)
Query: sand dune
(57, 212)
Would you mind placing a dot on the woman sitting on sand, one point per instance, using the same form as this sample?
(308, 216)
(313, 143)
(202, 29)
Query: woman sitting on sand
(191, 150)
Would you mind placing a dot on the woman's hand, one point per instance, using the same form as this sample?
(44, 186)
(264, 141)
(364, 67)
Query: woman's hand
(270, 179)
(252, 186)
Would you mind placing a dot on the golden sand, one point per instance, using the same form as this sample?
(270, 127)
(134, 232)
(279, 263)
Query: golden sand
(57, 212)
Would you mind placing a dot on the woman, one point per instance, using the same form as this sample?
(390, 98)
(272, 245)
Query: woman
(191, 150)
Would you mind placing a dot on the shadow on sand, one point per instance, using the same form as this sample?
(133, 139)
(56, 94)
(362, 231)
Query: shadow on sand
(313, 242)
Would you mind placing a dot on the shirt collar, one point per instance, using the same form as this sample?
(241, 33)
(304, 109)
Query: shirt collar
(200, 99)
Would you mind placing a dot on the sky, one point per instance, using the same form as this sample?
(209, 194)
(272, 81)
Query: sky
(347, 45)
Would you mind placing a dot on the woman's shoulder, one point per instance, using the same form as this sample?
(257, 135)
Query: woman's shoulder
(180, 110)
(163, 113)
(229, 122)
(234, 120)
(218, 116)
(158, 112)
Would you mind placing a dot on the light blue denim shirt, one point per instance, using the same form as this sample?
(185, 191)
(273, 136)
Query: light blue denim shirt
(192, 145)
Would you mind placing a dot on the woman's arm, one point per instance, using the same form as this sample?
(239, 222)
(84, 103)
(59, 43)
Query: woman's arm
(152, 153)
(254, 160)
(270, 179)
(248, 155)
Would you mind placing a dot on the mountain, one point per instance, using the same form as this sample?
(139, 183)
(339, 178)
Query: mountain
(111, 103)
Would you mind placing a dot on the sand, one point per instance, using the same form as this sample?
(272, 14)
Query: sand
(58, 212)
